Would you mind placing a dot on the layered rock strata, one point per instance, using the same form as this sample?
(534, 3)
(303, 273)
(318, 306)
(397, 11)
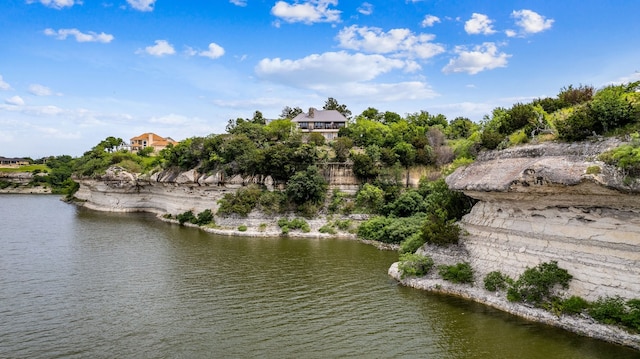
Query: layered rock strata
(554, 202)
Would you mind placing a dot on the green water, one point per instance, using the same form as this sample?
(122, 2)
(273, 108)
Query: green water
(81, 284)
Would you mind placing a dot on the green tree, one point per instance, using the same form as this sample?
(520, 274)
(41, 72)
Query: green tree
(406, 153)
(611, 107)
(332, 104)
(372, 114)
(307, 186)
(289, 113)
(370, 197)
(460, 127)
(363, 166)
(341, 147)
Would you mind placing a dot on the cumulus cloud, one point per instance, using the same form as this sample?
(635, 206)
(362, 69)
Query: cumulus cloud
(308, 12)
(4, 85)
(401, 42)
(479, 24)
(365, 9)
(327, 68)
(530, 22)
(91, 36)
(170, 119)
(15, 101)
(215, 51)
(142, 5)
(161, 48)
(480, 58)
(239, 2)
(56, 4)
(39, 90)
(429, 20)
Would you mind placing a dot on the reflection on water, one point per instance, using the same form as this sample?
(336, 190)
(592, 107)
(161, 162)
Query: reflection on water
(77, 284)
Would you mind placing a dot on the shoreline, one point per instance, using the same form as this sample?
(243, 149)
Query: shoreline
(576, 324)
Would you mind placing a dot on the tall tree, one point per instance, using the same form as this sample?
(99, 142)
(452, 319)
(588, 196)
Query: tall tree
(332, 104)
(289, 113)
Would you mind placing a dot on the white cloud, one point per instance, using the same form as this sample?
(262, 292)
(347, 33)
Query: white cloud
(366, 8)
(142, 5)
(401, 42)
(479, 24)
(171, 119)
(385, 92)
(4, 85)
(624, 79)
(39, 90)
(56, 4)
(91, 36)
(308, 12)
(429, 21)
(161, 48)
(15, 101)
(214, 51)
(239, 2)
(480, 58)
(329, 68)
(530, 22)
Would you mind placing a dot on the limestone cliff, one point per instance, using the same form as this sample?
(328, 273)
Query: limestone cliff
(174, 192)
(539, 203)
(20, 182)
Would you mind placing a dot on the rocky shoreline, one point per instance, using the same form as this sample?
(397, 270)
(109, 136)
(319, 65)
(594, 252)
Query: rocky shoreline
(581, 325)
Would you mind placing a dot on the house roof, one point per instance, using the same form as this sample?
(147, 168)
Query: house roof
(315, 115)
(12, 159)
(153, 138)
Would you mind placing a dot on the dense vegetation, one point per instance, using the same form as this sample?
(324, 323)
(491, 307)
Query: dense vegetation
(382, 147)
(540, 286)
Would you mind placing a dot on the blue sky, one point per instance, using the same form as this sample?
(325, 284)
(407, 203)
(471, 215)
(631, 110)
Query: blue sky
(73, 72)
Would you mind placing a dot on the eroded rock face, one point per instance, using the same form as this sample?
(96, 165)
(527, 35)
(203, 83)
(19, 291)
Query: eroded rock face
(549, 203)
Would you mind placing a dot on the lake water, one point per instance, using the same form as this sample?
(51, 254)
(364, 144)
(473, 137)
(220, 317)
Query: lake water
(81, 284)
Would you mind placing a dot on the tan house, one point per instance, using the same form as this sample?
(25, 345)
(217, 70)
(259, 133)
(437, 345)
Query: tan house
(325, 122)
(150, 139)
(13, 162)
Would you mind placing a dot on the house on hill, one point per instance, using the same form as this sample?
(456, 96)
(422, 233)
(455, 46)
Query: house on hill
(325, 122)
(13, 162)
(150, 139)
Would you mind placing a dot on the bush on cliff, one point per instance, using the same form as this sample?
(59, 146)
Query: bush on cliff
(536, 284)
(458, 273)
(615, 311)
(411, 264)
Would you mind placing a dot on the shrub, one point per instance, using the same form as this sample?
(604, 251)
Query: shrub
(343, 224)
(625, 157)
(593, 170)
(495, 281)
(608, 310)
(411, 244)
(411, 264)
(327, 229)
(574, 305)
(611, 107)
(242, 228)
(262, 227)
(458, 273)
(205, 217)
(271, 202)
(535, 284)
(370, 198)
(579, 125)
(242, 202)
(186, 217)
(440, 231)
(296, 223)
